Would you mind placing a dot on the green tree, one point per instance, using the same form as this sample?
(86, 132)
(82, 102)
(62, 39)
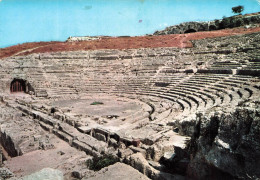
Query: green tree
(237, 9)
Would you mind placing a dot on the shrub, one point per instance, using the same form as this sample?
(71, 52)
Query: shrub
(232, 22)
(217, 22)
(224, 23)
(239, 22)
(98, 163)
(96, 103)
(255, 19)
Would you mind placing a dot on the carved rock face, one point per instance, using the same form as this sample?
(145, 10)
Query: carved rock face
(229, 22)
(228, 145)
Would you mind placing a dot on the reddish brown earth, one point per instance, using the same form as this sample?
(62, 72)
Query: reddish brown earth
(173, 40)
(12, 50)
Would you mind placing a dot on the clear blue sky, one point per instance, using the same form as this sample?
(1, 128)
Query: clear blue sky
(44, 20)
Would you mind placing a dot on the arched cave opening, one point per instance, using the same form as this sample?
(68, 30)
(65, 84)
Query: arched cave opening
(18, 85)
(212, 27)
(190, 31)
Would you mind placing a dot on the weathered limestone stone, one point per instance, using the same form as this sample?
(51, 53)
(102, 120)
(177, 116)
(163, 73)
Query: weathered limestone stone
(113, 142)
(85, 129)
(157, 165)
(82, 38)
(168, 156)
(100, 137)
(124, 153)
(136, 142)
(118, 171)
(138, 150)
(227, 138)
(138, 161)
(45, 174)
(141, 164)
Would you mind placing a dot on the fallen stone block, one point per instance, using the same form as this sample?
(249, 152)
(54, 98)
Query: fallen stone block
(100, 137)
(118, 171)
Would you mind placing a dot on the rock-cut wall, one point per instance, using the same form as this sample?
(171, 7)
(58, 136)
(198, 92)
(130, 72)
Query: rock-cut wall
(226, 143)
(229, 22)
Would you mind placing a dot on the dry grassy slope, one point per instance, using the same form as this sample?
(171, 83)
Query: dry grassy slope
(174, 40)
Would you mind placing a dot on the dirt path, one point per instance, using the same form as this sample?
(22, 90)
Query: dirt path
(27, 50)
(22, 48)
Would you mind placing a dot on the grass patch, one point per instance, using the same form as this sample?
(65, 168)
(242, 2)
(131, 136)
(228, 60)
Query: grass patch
(96, 103)
(98, 163)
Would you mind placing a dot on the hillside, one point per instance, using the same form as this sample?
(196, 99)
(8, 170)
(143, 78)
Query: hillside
(174, 40)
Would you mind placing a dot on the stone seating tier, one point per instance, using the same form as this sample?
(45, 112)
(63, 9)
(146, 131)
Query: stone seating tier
(172, 85)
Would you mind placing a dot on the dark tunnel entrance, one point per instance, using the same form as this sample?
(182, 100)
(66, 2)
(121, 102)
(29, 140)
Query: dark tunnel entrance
(190, 31)
(18, 85)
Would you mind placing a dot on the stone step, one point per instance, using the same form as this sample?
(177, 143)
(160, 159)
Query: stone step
(68, 133)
